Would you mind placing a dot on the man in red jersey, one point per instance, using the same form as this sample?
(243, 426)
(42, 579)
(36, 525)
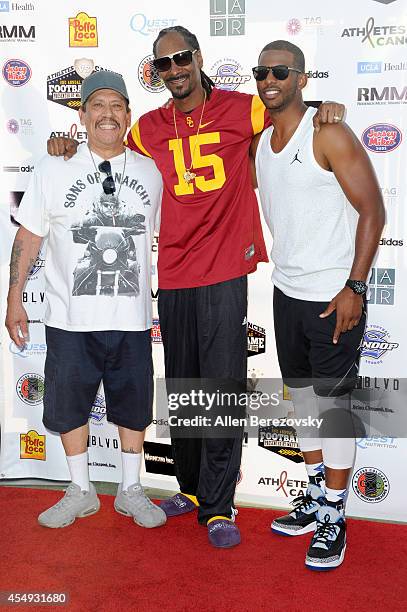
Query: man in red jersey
(210, 239)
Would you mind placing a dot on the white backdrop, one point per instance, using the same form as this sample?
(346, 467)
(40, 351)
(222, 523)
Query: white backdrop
(355, 53)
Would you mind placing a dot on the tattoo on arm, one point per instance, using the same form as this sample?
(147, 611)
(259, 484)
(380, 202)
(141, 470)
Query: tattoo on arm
(14, 262)
(30, 265)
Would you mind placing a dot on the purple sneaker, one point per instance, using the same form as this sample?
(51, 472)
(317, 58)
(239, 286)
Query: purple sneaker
(223, 533)
(177, 504)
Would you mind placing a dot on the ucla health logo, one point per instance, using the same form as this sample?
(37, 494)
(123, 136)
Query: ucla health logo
(369, 67)
(381, 137)
(376, 343)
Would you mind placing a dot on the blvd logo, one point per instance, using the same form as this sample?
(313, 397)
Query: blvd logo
(83, 31)
(33, 445)
(256, 340)
(371, 485)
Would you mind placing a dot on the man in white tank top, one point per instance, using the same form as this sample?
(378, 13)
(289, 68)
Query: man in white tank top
(322, 203)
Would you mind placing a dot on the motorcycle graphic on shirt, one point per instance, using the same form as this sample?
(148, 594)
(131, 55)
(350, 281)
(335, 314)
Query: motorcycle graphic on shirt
(109, 264)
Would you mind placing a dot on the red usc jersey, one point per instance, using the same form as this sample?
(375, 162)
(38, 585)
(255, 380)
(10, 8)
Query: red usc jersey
(210, 228)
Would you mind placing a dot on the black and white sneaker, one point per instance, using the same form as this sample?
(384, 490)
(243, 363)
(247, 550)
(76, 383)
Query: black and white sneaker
(328, 545)
(303, 518)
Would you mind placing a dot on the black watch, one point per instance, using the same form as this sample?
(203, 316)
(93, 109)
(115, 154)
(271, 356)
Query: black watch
(357, 286)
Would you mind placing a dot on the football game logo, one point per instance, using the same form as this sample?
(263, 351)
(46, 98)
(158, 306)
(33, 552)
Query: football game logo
(33, 446)
(282, 441)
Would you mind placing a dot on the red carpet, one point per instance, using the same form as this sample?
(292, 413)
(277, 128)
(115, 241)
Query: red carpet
(106, 562)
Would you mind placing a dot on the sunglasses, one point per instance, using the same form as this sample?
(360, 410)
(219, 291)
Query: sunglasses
(279, 72)
(181, 58)
(108, 184)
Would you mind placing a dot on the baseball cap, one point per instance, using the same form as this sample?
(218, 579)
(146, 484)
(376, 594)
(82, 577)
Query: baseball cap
(103, 79)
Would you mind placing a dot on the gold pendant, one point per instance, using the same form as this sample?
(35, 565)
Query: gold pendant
(189, 176)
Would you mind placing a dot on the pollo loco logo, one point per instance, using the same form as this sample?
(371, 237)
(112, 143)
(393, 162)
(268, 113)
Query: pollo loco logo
(32, 446)
(83, 31)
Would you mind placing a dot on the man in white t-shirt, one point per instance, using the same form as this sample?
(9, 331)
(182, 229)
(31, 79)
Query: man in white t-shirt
(322, 203)
(98, 212)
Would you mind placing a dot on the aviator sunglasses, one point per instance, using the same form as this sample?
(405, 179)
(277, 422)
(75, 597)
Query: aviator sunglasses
(181, 58)
(279, 72)
(108, 184)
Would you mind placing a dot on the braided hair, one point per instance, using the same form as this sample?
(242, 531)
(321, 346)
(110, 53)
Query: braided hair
(192, 41)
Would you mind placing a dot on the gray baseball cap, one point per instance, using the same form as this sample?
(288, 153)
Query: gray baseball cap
(103, 79)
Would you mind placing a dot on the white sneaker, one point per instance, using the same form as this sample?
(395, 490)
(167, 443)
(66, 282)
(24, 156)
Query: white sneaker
(133, 502)
(75, 503)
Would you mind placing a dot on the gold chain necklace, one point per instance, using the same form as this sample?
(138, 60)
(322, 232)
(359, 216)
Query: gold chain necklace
(188, 175)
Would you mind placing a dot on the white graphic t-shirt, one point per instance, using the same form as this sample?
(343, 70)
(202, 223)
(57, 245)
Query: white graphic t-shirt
(98, 262)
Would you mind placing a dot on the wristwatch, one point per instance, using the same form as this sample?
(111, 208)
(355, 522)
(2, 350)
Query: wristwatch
(357, 286)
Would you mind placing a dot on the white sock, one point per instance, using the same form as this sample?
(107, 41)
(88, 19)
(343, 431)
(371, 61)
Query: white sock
(79, 470)
(335, 495)
(314, 468)
(131, 464)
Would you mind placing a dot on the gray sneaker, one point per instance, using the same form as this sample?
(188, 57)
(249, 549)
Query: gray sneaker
(133, 502)
(75, 503)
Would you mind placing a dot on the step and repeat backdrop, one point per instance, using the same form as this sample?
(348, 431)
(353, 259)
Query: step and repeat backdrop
(356, 54)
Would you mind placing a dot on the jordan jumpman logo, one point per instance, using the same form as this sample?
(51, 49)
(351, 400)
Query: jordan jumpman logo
(296, 158)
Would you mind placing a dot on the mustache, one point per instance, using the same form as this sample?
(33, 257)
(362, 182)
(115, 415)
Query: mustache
(179, 76)
(107, 120)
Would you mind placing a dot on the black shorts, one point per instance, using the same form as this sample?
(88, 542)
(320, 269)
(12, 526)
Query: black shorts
(77, 362)
(306, 353)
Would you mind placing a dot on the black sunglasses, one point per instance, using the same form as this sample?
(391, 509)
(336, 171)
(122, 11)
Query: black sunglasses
(181, 58)
(108, 184)
(279, 72)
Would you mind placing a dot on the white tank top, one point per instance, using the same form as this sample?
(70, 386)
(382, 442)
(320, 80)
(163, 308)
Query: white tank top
(312, 223)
